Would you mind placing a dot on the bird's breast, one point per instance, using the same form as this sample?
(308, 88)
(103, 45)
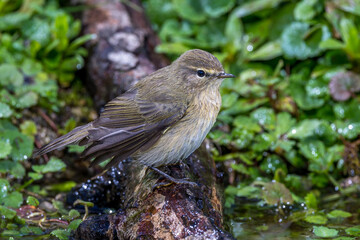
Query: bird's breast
(184, 137)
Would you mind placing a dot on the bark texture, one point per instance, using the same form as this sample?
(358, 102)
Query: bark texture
(120, 55)
(123, 50)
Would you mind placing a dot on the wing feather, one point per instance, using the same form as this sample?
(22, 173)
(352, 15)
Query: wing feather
(127, 125)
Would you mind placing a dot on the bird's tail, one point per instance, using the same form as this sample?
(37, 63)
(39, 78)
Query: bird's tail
(73, 136)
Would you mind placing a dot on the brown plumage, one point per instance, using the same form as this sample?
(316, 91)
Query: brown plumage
(160, 120)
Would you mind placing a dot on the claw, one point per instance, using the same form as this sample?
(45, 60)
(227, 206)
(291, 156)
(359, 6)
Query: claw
(171, 179)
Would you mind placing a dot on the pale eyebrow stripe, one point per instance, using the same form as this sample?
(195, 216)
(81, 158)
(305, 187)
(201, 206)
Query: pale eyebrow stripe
(207, 71)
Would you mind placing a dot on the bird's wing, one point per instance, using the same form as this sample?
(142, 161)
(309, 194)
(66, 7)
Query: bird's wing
(128, 124)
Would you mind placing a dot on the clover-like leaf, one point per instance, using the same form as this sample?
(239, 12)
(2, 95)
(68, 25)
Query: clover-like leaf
(300, 42)
(13, 199)
(305, 10)
(304, 129)
(325, 232)
(311, 200)
(27, 100)
(10, 75)
(190, 10)
(5, 148)
(265, 117)
(216, 8)
(269, 50)
(338, 214)
(316, 219)
(5, 110)
(276, 193)
(353, 231)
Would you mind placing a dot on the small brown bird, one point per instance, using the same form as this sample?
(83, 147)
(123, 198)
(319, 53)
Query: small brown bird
(161, 120)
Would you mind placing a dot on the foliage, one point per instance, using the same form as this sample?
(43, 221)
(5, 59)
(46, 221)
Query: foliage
(39, 52)
(292, 113)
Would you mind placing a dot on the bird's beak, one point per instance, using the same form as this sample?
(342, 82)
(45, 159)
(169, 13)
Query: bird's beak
(225, 75)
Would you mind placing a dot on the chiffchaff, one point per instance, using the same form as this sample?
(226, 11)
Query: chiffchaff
(161, 120)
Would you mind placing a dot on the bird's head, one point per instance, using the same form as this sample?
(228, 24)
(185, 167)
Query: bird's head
(199, 68)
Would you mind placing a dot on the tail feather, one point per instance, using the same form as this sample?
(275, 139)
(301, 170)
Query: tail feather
(74, 136)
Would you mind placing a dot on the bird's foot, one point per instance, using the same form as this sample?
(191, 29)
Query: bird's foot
(171, 179)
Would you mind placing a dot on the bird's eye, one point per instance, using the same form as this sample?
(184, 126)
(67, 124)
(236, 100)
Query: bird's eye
(200, 73)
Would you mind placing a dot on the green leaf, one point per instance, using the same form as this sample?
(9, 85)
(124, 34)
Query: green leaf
(350, 35)
(265, 117)
(13, 200)
(276, 193)
(80, 41)
(311, 201)
(251, 7)
(273, 163)
(22, 147)
(353, 231)
(5, 148)
(268, 51)
(61, 187)
(305, 10)
(325, 232)
(243, 106)
(312, 149)
(37, 30)
(303, 99)
(75, 148)
(316, 219)
(234, 33)
(159, 11)
(300, 42)
(351, 6)
(74, 213)
(32, 201)
(35, 176)
(54, 165)
(7, 213)
(331, 44)
(338, 214)
(17, 170)
(304, 129)
(190, 10)
(5, 111)
(29, 230)
(4, 188)
(27, 100)
(317, 88)
(247, 123)
(10, 76)
(263, 142)
(349, 130)
(216, 8)
(344, 238)
(13, 20)
(61, 234)
(60, 207)
(229, 99)
(172, 48)
(243, 191)
(74, 224)
(60, 31)
(28, 128)
(284, 122)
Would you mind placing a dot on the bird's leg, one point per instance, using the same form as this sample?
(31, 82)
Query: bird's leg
(171, 179)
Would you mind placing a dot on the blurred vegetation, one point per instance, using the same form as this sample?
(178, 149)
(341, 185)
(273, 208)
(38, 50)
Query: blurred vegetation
(40, 50)
(290, 121)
